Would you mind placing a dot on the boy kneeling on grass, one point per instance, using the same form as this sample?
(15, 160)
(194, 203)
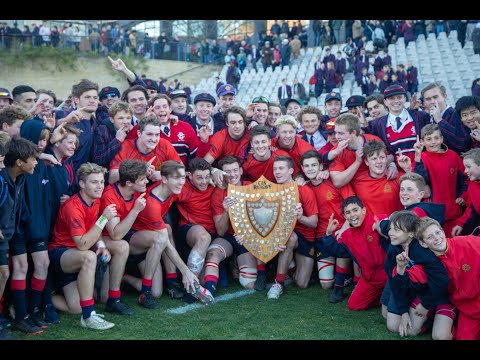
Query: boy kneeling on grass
(460, 255)
(365, 246)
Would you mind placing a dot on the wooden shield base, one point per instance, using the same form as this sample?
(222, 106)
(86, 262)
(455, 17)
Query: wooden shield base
(264, 213)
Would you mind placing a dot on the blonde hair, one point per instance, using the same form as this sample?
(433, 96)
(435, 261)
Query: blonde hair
(286, 120)
(422, 225)
(87, 169)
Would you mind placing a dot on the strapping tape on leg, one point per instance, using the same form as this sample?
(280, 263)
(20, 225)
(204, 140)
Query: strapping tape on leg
(247, 276)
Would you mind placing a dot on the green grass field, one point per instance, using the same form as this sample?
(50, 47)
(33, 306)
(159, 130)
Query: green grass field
(300, 314)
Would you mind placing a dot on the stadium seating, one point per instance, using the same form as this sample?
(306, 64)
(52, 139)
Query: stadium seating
(438, 58)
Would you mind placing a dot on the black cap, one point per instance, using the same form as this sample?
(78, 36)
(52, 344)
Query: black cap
(205, 97)
(298, 101)
(333, 96)
(151, 84)
(173, 94)
(108, 90)
(355, 100)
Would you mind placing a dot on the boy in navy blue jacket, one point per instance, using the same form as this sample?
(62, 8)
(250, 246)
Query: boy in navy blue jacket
(419, 287)
(20, 159)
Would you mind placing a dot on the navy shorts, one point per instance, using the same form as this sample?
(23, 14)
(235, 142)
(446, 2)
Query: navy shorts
(136, 259)
(34, 246)
(305, 247)
(183, 231)
(388, 300)
(320, 251)
(18, 247)
(4, 257)
(129, 235)
(63, 279)
(237, 248)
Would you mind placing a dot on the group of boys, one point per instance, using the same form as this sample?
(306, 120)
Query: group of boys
(158, 154)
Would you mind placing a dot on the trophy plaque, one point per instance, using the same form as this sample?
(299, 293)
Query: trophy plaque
(264, 214)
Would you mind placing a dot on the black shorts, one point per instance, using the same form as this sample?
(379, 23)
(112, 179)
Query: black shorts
(305, 247)
(4, 257)
(63, 279)
(18, 247)
(320, 251)
(183, 231)
(237, 248)
(34, 246)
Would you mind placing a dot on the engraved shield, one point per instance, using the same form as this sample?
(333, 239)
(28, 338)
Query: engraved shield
(264, 214)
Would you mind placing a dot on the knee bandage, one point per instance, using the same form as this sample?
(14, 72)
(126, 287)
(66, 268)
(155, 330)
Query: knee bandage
(248, 275)
(219, 248)
(326, 269)
(195, 262)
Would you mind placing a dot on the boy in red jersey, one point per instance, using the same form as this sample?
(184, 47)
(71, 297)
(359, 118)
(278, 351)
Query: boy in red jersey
(470, 220)
(460, 256)
(258, 157)
(141, 224)
(77, 229)
(287, 140)
(379, 194)
(148, 147)
(365, 246)
(196, 225)
(179, 133)
(443, 170)
(302, 238)
(225, 245)
(329, 200)
(231, 140)
(350, 162)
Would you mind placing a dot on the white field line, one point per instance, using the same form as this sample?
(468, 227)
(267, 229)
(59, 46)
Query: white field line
(226, 297)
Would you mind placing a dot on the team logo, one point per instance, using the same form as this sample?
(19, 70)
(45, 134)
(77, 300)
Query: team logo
(387, 188)
(181, 136)
(44, 181)
(264, 214)
(329, 195)
(369, 238)
(228, 88)
(466, 267)
(333, 93)
(414, 132)
(452, 171)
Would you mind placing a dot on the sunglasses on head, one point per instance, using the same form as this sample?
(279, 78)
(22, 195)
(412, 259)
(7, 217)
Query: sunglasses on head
(177, 92)
(110, 96)
(260, 99)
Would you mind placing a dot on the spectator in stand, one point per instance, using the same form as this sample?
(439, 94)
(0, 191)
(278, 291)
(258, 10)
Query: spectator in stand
(267, 55)
(476, 39)
(412, 78)
(319, 75)
(408, 31)
(340, 65)
(476, 87)
(295, 45)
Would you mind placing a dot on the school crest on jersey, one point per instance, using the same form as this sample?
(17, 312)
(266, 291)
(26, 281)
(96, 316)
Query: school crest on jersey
(387, 188)
(466, 267)
(264, 214)
(414, 132)
(369, 238)
(329, 195)
(181, 135)
(452, 171)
